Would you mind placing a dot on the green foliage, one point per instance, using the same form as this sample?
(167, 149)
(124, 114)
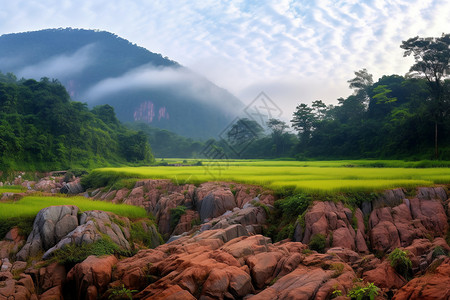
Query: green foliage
(71, 254)
(120, 292)
(294, 206)
(400, 261)
(139, 234)
(336, 292)
(286, 232)
(363, 292)
(37, 134)
(438, 251)
(318, 243)
(338, 269)
(175, 215)
(22, 213)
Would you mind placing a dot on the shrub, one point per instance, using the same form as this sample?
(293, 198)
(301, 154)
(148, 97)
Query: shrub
(363, 292)
(286, 232)
(72, 254)
(400, 262)
(175, 215)
(120, 292)
(293, 206)
(438, 251)
(318, 243)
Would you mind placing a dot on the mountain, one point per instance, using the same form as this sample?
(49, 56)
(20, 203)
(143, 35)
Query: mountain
(98, 67)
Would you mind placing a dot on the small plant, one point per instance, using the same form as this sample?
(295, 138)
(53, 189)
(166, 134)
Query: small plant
(363, 292)
(438, 251)
(400, 262)
(196, 222)
(120, 292)
(336, 292)
(317, 243)
(175, 215)
(338, 269)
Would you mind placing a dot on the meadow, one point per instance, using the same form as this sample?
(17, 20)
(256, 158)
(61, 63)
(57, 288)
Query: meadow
(300, 176)
(29, 206)
(11, 189)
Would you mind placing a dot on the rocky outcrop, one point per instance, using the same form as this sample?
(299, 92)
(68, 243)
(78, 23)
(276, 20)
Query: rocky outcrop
(418, 217)
(12, 242)
(22, 288)
(209, 203)
(339, 224)
(49, 227)
(433, 285)
(91, 277)
(73, 187)
(57, 226)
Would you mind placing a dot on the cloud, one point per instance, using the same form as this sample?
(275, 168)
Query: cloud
(244, 44)
(61, 66)
(180, 81)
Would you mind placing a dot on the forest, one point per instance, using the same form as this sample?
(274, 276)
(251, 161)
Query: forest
(42, 129)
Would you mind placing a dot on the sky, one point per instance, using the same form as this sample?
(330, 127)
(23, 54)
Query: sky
(294, 51)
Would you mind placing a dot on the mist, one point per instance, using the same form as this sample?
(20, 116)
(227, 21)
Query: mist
(61, 66)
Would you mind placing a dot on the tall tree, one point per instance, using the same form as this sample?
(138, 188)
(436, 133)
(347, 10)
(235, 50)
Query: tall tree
(303, 121)
(361, 83)
(432, 61)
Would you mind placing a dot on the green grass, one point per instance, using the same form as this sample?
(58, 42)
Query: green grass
(29, 206)
(12, 189)
(298, 176)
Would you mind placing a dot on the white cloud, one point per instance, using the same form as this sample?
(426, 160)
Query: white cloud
(246, 45)
(61, 66)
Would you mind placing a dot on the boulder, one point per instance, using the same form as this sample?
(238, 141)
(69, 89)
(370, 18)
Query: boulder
(433, 285)
(73, 187)
(384, 276)
(93, 225)
(92, 276)
(49, 227)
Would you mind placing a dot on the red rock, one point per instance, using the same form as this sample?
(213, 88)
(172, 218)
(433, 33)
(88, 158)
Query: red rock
(302, 283)
(384, 276)
(262, 266)
(240, 282)
(433, 285)
(93, 271)
(343, 238)
(384, 236)
(54, 293)
(216, 284)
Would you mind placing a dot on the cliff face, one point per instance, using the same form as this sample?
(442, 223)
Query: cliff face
(216, 250)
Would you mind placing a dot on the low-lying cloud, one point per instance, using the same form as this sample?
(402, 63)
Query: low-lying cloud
(61, 66)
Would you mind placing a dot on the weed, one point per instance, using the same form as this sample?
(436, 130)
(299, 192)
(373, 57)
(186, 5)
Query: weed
(318, 243)
(363, 292)
(400, 262)
(338, 269)
(120, 292)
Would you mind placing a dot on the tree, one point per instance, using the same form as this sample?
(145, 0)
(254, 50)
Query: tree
(361, 83)
(320, 108)
(303, 121)
(432, 61)
(244, 130)
(278, 127)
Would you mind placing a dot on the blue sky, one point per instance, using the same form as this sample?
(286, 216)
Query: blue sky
(295, 51)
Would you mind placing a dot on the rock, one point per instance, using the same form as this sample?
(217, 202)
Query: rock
(93, 225)
(389, 198)
(216, 203)
(51, 224)
(51, 277)
(262, 267)
(73, 187)
(384, 276)
(433, 285)
(92, 276)
(54, 293)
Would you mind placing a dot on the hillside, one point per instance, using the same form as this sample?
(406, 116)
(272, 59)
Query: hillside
(41, 128)
(99, 67)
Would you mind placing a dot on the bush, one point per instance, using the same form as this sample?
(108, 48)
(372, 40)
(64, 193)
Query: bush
(175, 215)
(400, 262)
(293, 206)
(363, 292)
(72, 254)
(120, 292)
(318, 243)
(438, 251)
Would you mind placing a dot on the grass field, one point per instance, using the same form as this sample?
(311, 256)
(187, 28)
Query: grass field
(29, 206)
(315, 176)
(12, 189)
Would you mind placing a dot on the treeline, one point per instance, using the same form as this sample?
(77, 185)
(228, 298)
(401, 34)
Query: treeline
(396, 117)
(42, 129)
